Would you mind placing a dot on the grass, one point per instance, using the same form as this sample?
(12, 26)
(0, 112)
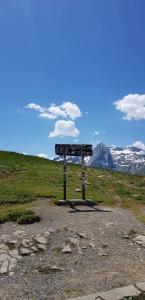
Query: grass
(24, 178)
(18, 213)
(123, 191)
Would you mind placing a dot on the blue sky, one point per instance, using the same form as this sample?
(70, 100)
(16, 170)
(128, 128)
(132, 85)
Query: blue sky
(57, 53)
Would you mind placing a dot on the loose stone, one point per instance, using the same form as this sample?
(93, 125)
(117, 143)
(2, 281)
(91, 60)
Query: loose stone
(34, 248)
(11, 244)
(25, 242)
(3, 257)
(4, 267)
(125, 235)
(66, 249)
(92, 245)
(11, 274)
(25, 251)
(73, 241)
(140, 240)
(14, 253)
(42, 247)
(82, 235)
(84, 247)
(47, 233)
(12, 264)
(40, 239)
(48, 269)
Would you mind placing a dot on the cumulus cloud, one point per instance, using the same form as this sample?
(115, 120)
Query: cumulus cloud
(132, 106)
(65, 110)
(71, 110)
(42, 155)
(139, 145)
(57, 111)
(64, 128)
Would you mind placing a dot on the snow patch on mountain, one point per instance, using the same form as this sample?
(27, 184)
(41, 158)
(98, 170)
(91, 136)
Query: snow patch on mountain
(128, 158)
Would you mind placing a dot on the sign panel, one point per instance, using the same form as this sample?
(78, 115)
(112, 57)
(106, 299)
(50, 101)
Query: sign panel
(74, 149)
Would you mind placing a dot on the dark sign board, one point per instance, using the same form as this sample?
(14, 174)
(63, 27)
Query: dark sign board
(74, 149)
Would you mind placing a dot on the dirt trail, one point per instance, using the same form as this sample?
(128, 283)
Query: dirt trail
(101, 257)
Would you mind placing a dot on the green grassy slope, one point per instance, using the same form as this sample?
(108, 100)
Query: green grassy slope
(23, 178)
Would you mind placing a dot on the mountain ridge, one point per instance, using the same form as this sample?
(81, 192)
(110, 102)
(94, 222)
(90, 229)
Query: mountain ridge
(129, 159)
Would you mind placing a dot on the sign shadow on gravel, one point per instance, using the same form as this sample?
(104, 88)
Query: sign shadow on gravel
(93, 209)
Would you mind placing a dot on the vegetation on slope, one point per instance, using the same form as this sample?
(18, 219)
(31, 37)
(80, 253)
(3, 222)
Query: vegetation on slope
(23, 178)
(18, 213)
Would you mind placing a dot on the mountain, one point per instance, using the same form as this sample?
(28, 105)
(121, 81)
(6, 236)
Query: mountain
(69, 159)
(101, 158)
(129, 159)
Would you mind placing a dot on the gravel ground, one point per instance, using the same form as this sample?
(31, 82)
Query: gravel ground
(102, 260)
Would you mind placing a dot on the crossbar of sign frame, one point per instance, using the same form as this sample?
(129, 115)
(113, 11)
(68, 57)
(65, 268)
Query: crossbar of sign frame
(74, 149)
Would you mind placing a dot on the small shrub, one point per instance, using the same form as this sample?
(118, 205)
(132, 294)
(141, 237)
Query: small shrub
(28, 219)
(21, 215)
(16, 214)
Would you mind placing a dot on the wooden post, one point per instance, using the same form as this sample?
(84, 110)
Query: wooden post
(65, 173)
(83, 179)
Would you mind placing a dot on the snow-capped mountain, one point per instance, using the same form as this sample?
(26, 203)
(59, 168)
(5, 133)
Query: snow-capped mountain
(101, 158)
(69, 159)
(128, 159)
(125, 159)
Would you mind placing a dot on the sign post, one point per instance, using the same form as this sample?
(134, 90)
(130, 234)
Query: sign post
(81, 150)
(65, 176)
(83, 180)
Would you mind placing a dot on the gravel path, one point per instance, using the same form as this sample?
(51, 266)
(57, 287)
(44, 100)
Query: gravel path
(101, 257)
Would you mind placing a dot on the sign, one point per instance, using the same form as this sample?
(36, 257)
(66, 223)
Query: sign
(74, 149)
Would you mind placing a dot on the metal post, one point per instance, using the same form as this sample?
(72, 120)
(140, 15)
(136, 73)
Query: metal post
(83, 179)
(65, 172)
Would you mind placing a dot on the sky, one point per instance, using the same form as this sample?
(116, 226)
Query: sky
(71, 71)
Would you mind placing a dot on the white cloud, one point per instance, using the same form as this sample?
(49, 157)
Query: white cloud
(57, 111)
(97, 132)
(47, 115)
(65, 110)
(35, 107)
(64, 128)
(132, 105)
(139, 145)
(71, 110)
(42, 155)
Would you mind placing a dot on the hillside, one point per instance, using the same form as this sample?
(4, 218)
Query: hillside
(23, 178)
(43, 259)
